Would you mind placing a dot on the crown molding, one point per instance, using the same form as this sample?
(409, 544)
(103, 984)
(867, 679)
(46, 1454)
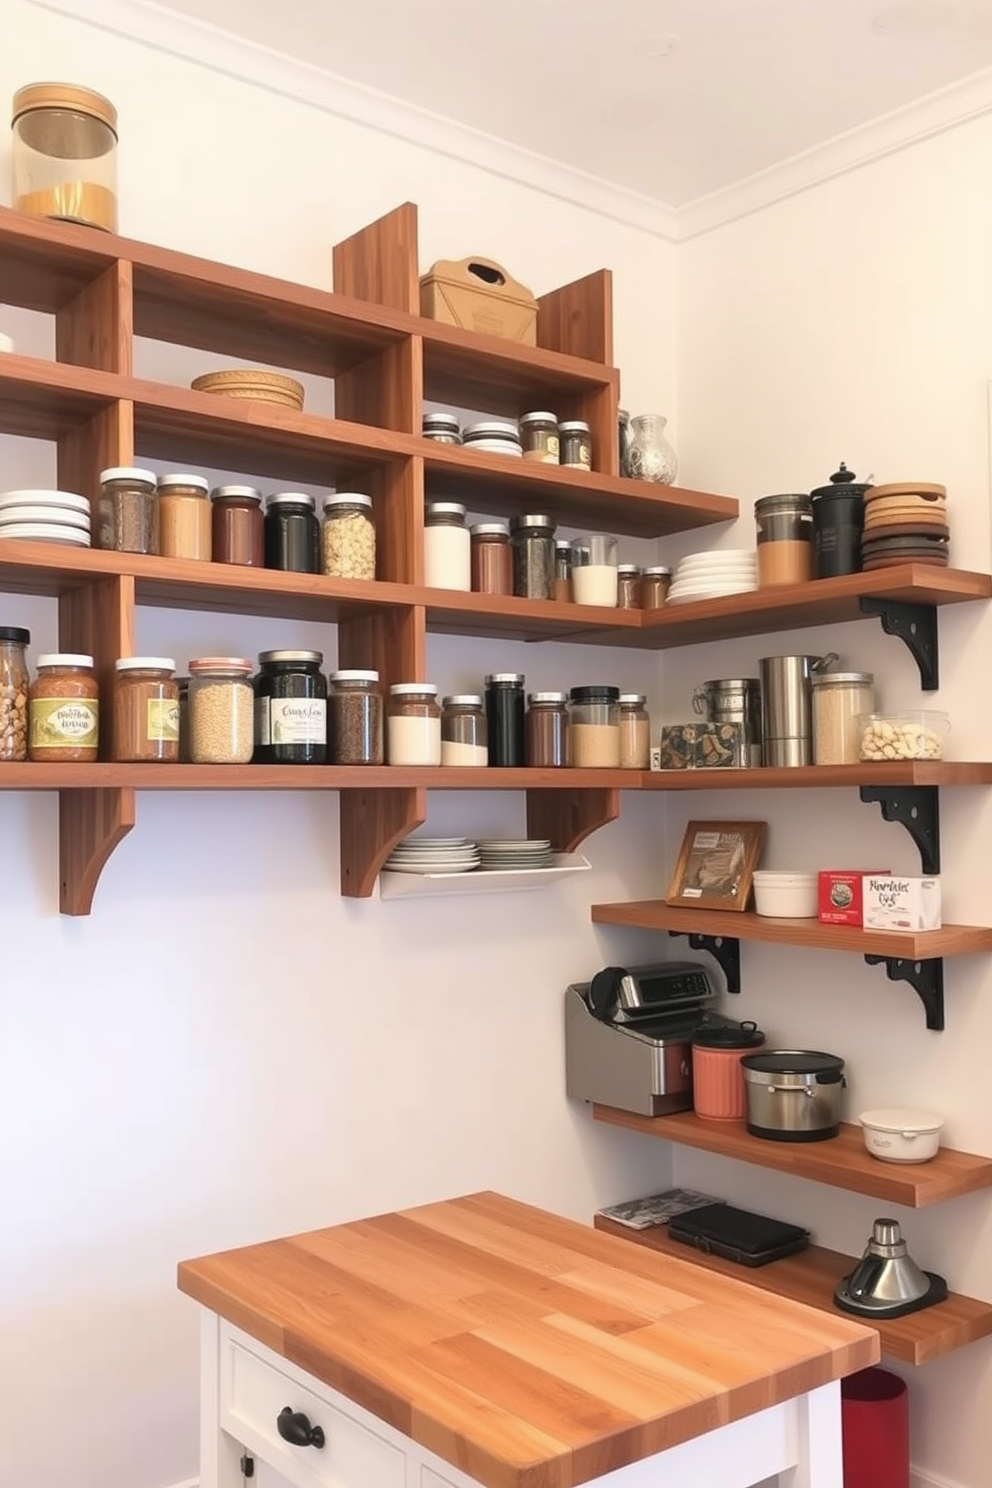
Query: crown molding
(208, 46)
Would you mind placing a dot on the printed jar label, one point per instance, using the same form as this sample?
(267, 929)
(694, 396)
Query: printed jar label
(297, 721)
(162, 726)
(58, 722)
(263, 731)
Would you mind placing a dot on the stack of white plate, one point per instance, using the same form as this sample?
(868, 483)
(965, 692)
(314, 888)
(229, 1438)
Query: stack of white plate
(514, 855)
(45, 516)
(434, 855)
(709, 575)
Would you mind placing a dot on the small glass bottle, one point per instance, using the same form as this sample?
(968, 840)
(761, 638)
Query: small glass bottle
(237, 527)
(447, 547)
(14, 682)
(463, 730)
(146, 710)
(539, 437)
(563, 571)
(546, 731)
(64, 154)
(354, 718)
(292, 533)
(629, 587)
(505, 718)
(655, 586)
(785, 540)
(576, 444)
(348, 539)
(532, 539)
(127, 511)
(838, 699)
(64, 710)
(221, 711)
(184, 518)
(635, 732)
(492, 562)
(290, 709)
(594, 727)
(413, 724)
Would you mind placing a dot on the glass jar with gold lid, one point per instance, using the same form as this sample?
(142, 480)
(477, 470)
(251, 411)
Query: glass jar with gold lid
(64, 154)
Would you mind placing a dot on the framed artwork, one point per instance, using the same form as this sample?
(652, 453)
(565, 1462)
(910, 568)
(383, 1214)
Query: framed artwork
(716, 862)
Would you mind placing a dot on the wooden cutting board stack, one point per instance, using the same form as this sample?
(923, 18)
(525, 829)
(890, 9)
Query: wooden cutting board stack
(905, 523)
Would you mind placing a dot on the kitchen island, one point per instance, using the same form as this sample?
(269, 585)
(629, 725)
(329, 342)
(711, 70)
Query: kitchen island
(482, 1341)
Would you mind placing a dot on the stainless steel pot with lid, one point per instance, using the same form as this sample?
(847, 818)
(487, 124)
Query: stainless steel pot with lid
(793, 1095)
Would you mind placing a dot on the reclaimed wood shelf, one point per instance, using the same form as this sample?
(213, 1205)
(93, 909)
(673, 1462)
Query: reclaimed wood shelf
(154, 777)
(842, 1162)
(811, 1277)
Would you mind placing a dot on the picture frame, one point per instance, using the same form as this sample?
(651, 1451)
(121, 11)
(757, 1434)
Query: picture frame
(716, 864)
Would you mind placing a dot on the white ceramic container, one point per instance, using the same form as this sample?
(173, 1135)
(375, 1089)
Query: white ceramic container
(786, 896)
(901, 1134)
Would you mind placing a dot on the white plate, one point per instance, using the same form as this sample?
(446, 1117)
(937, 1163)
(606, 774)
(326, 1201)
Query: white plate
(687, 591)
(430, 868)
(47, 515)
(720, 555)
(523, 844)
(682, 599)
(45, 532)
(397, 886)
(68, 500)
(435, 842)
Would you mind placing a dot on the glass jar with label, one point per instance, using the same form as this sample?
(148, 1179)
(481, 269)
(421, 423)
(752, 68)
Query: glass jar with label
(146, 710)
(539, 437)
(463, 730)
(237, 527)
(532, 539)
(635, 732)
(785, 539)
(348, 540)
(127, 510)
(290, 709)
(64, 710)
(354, 718)
(563, 571)
(629, 587)
(184, 517)
(576, 444)
(838, 698)
(221, 711)
(64, 154)
(492, 562)
(546, 731)
(14, 682)
(505, 718)
(655, 585)
(594, 727)
(292, 533)
(447, 547)
(442, 428)
(413, 724)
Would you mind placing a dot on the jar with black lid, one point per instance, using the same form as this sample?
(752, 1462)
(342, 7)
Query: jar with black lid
(594, 727)
(546, 731)
(292, 533)
(505, 718)
(838, 520)
(532, 539)
(290, 709)
(14, 681)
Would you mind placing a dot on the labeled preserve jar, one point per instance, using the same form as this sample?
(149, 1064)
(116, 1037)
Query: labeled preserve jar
(463, 730)
(290, 709)
(413, 725)
(838, 698)
(532, 539)
(594, 727)
(539, 437)
(127, 510)
(505, 718)
(221, 711)
(348, 541)
(146, 710)
(185, 526)
(292, 533)
(785, 540)
(492, 561)
(576, 444)
(635, 732)
(546, 731)
(64, 154)
(354, 718)
(64, 710)
(447, 547)
(14, 682)
(237, 527)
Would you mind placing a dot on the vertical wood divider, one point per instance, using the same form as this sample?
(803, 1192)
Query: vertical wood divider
(387, 391)
(567, 817)
(96, 329)
(380, 262)
(578, 321)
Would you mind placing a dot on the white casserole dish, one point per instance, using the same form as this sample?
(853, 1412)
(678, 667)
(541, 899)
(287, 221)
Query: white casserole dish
(901, 1134)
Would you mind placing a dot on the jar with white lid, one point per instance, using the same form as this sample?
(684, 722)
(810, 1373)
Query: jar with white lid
(838, 699)
(146, 710)
(127, 511)
(290, 709)
(493, 437)
(447, 547)
(576, 444)
(354, 718)
(413, 725)
(492, 562)
(221, 710)
(185, 521)
(539, 437)
(635, 732)
(546, 731)
(463, 730)
(64, 154)
(629, 587)
(64, 709)
(349, 536)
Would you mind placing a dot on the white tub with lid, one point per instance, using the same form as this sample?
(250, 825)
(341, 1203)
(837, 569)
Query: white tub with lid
(901, 1134)
(787, 896)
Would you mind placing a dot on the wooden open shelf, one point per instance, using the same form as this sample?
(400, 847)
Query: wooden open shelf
(34, 777)
(811, 1277)
(815, 777)
(842, 1162)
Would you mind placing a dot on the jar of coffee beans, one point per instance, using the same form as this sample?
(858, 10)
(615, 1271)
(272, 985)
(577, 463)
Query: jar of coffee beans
(13, 693)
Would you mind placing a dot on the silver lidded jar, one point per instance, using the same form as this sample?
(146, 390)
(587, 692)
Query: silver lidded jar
(793, 1095)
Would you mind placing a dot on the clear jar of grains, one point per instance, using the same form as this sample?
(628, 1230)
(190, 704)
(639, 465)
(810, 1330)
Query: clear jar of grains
(221, 711)
(594, 727)
(463, 730)
(838, 698)
(354, 718)
(64, 709)
(146, 710)
(184, 517)
(127, 510)
(348, 540)
(635, 732)
(413, 727)
(14, 682)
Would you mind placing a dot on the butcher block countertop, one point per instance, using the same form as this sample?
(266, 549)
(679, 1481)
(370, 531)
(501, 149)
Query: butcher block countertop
(528, 1350)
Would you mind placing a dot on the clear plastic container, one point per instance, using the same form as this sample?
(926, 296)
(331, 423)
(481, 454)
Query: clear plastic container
(463, 730)
(354, 718)
(839, 700)
(221, 711)
(413, 725)
(14, 681)
(127, 511)
(348, 543)
(447, 547)
(914, 734)
(185, 522)
(594, 727)
(146, 710)
(64, 154)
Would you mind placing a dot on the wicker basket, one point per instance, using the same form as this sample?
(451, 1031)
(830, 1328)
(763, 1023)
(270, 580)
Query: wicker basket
(262, 387)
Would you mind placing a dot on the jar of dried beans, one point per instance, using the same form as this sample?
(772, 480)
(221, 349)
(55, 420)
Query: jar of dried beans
(64, 710)
(354, 719)
(13, 693)
(349, 537)
(221, 711)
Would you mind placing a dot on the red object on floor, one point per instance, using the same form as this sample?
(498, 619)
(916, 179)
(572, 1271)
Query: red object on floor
(875, 1421)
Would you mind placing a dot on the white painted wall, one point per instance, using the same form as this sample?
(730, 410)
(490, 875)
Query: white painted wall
(226, 1050)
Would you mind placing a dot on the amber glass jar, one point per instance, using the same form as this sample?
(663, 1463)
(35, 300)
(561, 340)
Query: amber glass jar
(237, 526)
(492, 561)
(64, 154)
(13, 693)
(629, 587)
(64, 710)
(655, 586)
(146, 710)
(184, 518)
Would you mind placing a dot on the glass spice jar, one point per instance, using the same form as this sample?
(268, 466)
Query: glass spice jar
(505, 718)
(442, 428)
(184, 518)
(127, 510)
(64, 154)
(413, 724)
(237, 526)
(576, 444)
(146, 710)
(635, 732)
(546, 731)
(629, 587)
(532, 541)
(594, 727)
(64, 710)
(221, 711)
(290, 709)
(492, 562)
(292, 533)
(463, 731)
(539, 437)
(354, 718)
(348, 539)
(447, 547)
(785, 539)
(655, 585)
(14, 682)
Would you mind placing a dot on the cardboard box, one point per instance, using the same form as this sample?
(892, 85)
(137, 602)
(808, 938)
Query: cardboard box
(480, 296)
(701, 746)
(840, 898)
(894, 902)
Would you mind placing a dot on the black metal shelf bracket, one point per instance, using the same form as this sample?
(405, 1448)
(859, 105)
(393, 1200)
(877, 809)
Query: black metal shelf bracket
(917, 808)
(926, 979)
(724, 949)
(916, 626)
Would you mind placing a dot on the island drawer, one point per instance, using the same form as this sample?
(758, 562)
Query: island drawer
(254, 1391)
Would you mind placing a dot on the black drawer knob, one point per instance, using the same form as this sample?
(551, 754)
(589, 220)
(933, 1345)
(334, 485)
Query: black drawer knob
(294, 1427)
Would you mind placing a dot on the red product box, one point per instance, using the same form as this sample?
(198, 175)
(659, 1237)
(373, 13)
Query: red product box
(839, 900)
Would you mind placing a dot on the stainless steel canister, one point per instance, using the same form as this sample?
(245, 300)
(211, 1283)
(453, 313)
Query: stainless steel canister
(786, 707)
(734, 700)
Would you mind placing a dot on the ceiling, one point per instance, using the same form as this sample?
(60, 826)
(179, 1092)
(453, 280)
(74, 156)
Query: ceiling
(672, 98)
